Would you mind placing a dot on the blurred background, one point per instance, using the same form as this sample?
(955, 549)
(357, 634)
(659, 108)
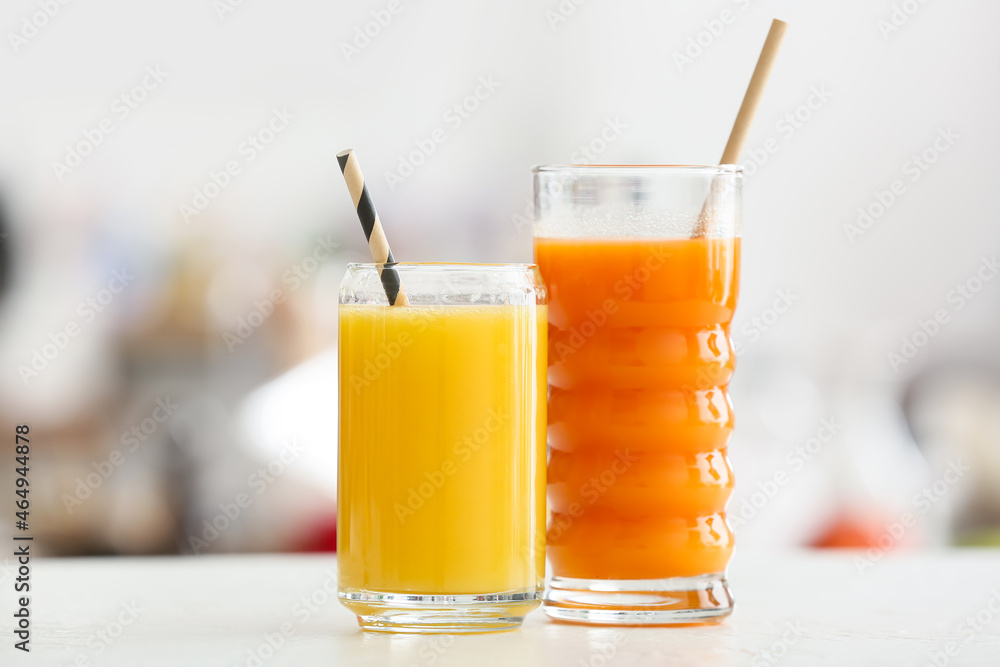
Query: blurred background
(173, 228)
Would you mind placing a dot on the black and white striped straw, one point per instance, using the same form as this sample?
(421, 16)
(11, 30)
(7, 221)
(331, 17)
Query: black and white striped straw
(377, 241)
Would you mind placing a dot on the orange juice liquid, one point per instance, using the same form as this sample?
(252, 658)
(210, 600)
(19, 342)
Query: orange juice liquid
(640, 357)
(442, 455)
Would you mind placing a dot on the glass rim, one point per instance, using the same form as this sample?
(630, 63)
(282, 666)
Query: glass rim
(444, 266)
(695, 169)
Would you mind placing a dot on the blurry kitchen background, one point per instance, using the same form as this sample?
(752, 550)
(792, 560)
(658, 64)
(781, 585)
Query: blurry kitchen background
(174, 226)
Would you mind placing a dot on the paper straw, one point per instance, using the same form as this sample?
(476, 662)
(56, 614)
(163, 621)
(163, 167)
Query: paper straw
(377, 242)
(741, 128)
(744, 119)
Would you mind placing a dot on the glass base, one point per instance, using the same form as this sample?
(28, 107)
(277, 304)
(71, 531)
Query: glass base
(675, 601)
(400, 612)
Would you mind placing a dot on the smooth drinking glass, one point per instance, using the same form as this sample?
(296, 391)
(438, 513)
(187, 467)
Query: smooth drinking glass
(441, 496)
(641, 265)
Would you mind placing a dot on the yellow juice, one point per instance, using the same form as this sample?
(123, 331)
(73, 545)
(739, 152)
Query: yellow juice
(442, 449)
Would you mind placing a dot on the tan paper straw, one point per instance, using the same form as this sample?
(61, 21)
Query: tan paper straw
(751, 100)
(377, 242)
(741, 128)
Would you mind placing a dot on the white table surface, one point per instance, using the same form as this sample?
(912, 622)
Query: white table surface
(214, 610)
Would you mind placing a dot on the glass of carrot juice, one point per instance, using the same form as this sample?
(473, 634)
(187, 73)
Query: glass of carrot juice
(441, 492)
(641, 265)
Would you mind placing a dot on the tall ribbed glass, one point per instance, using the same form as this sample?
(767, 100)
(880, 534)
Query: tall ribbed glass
(641, 265)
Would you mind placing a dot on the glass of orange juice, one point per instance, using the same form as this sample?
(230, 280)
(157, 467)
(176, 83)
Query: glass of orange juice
(641, 265)
(441, 494)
